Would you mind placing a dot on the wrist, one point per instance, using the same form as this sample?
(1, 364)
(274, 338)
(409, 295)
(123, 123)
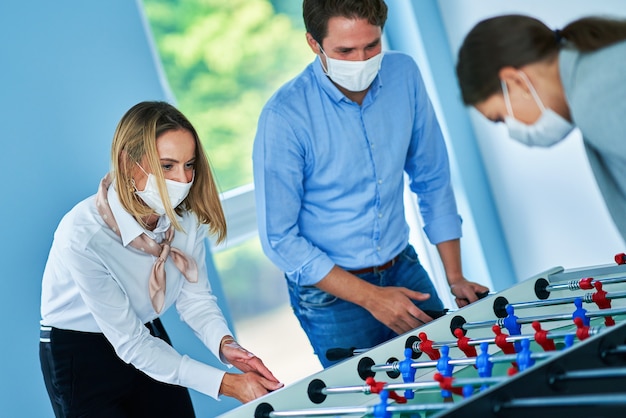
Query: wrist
(228, 384)
(226, 340)
(456, 281)
(368, 296)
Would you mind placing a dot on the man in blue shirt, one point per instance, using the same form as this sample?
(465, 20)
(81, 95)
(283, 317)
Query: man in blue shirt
(330, 155)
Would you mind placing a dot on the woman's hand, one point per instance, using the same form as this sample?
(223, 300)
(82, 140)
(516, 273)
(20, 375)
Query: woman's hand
(247, 386)
(256, 380)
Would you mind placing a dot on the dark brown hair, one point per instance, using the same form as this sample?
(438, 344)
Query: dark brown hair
(517, 40)
(316, 14)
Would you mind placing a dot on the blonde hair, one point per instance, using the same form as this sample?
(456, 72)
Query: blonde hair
(135, 138)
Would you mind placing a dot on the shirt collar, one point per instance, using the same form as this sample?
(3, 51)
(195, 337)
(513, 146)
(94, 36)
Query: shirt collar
(332, 90)
(128, 225)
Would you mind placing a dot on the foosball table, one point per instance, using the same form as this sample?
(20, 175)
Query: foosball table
(554, 343)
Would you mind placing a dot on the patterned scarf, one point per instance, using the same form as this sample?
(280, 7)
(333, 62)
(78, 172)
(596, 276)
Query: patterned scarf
(187, 265)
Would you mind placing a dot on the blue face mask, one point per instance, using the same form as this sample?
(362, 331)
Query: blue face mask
(548, 130)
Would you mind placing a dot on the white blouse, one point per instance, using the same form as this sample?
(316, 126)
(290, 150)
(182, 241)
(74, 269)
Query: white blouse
(95, 282)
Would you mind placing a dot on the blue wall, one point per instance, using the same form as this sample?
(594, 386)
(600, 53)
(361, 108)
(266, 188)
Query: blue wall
(69, 70)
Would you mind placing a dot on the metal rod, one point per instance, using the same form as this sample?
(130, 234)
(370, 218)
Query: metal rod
(391, 367)
(473, 381)
(513, 357)
(587, 298)
(555, 401)
(544, 318)
(575, 284)
(620, 349)
(345, 389)
(590, 374)
(511, 338)
(468, 361)
(364, 410)
(320, 412)
(547, 302)
(431, 384)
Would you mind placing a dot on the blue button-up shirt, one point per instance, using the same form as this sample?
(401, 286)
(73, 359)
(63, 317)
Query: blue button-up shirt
(329, 173)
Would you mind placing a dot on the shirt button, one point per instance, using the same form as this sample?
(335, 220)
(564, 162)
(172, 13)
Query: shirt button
(380, 182)
(380, 215)
(377, 248)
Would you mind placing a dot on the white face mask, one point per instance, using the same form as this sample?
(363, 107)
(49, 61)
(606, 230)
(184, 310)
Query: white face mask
(549, 129)
(352, 75)
(177, 192)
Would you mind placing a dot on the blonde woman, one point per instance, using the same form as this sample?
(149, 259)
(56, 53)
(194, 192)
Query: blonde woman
(121, 258)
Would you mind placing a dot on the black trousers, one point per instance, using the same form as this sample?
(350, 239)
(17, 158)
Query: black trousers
(85, 378)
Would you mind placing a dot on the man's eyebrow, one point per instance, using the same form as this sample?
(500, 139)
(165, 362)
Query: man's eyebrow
(351, 48)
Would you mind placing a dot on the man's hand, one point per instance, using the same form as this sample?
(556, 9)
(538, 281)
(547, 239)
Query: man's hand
(466, 292)
(394, 307)
(463, 290)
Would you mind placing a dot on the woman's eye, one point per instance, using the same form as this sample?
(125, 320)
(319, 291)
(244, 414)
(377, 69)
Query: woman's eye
(166, 167)
(190, 166)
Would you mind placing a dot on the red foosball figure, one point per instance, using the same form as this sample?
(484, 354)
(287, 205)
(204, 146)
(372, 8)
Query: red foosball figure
(600, 299)
(463, 343)
(426, 346)
(541, 337)
(501, 342)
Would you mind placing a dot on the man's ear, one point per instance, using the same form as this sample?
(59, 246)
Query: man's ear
(313, 44)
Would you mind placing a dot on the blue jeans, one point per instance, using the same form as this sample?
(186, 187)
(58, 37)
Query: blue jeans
(330, 322)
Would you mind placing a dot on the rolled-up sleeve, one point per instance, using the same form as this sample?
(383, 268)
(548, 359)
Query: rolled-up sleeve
(429, 173)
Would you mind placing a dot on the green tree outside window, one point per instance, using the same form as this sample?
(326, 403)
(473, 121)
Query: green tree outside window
(223, 60)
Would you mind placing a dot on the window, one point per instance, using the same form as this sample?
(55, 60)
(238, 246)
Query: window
(223, 60)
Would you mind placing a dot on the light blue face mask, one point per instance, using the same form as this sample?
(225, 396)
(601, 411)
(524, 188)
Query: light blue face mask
(352, 75)
(548, 130)
(176, 191)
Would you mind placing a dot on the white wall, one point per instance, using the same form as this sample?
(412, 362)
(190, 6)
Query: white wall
(551, 210)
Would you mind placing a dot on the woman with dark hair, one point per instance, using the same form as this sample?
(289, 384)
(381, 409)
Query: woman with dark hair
(542, 83)
(103, 349)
